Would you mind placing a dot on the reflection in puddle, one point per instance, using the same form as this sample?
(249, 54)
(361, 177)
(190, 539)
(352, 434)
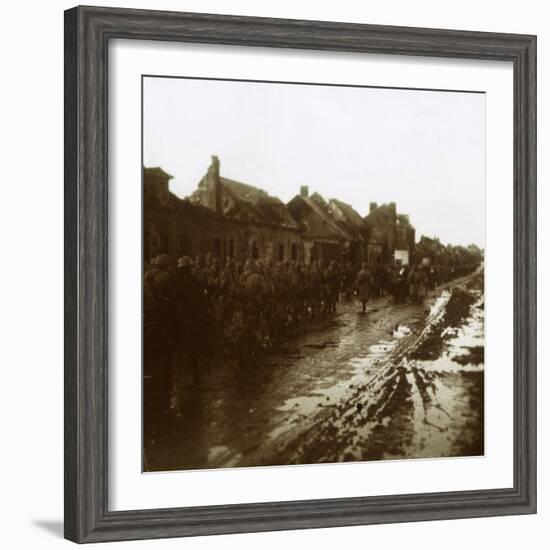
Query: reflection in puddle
(397, 407)
(357, 392)
(464, 347)
(401, 331)
(438, 307)
(361, 371)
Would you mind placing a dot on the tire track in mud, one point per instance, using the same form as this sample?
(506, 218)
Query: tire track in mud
(402, 409)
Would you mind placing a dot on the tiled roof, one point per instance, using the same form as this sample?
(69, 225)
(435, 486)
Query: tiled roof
(255, 204)
(246, 192)
(352, 215)
(322, 224)
(349, 218)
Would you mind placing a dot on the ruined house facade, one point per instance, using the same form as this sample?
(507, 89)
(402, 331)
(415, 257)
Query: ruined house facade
(159, 221)
(223, 217)
(261, 226)
(404, 252)
(230, 219)
(322, 238)
(390, 236)
(357, 229)
(175, 226)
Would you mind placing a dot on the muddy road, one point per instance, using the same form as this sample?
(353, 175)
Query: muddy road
(401, 381)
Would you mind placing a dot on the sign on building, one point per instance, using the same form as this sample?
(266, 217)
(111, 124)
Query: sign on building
(401, 257)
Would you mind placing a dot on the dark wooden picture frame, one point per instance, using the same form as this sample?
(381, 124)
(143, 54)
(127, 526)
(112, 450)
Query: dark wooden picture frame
(87, 34)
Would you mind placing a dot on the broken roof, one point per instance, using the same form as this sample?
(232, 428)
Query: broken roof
(256, 204)
(349, 212)
(382, 214)
(322, 224)
(349, 218)
(244, 202)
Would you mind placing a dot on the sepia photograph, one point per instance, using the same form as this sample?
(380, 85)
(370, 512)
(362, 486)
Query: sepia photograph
(313, 273)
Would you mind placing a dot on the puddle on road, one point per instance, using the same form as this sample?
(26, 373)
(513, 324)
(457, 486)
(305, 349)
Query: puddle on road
(464, 346)
(323, 345)
(438, 307)
(407, 404)
(373, 409)
(401, 331)
(446, 393)
(360, 371)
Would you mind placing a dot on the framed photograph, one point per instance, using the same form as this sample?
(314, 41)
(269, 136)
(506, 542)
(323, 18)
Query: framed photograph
(300, 274)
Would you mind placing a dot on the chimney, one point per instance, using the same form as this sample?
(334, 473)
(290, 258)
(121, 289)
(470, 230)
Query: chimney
(214, 167)
(304, 191)
(372, 207)
(213, 185)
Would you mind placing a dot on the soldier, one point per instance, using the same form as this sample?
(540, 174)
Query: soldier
(300, 291)
(277, 299)
(212, 274)
(347, 281)
(306, 273)
(228, 279)
(239, 268)
(226, 292)
(403, 286)
(267, 275)
(271, 299)
(331, 286)
(421, 285)
(199, 272)
(190, 304)
(291, 288)
(431, 277)
(159, 323)
(159, 282)
(252, 294)
(315, 288)
(379, 273)
(362, 286)
(251, 280)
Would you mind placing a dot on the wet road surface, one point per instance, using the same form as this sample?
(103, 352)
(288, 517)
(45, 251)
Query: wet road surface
(401, 381)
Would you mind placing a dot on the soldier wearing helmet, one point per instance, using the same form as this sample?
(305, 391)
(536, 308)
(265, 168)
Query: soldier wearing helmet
(190, 305)
(159, 322)
(331, 286)
(251, 279)
(158, 280)
(363, 285)
(185, 261)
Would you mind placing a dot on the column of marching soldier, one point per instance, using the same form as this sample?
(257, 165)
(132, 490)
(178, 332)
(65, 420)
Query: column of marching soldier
(238, 309)
(253, 303)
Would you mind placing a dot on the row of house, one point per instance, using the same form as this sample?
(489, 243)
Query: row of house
(231, 219)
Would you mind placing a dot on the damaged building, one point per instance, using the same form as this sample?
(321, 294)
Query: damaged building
(390, 236)
(357, 229)
(224, 217)
(261, 225)
(175, 226)
(323, 237)
(231, 219)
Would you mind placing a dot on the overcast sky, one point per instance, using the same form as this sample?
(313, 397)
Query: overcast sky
(424, 150)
